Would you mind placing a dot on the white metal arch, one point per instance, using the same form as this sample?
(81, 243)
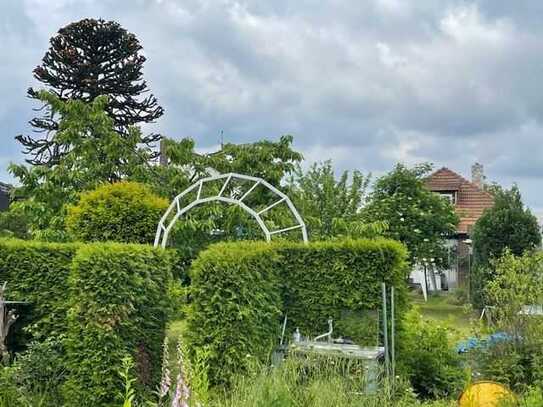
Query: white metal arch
(163, 230)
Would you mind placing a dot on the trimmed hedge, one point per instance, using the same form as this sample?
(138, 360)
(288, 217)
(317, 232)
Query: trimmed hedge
(125, 212)
(37, 273)
(241, 290)
(235, 307)
(340, 279)
(100, 301)
(118, 308)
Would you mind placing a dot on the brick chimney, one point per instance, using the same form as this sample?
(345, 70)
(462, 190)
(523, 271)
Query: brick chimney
(477, 175)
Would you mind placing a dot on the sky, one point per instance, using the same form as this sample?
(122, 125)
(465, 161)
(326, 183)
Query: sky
(366, 83)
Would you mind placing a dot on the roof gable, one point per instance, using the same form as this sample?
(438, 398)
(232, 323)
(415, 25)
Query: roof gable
(471, 200)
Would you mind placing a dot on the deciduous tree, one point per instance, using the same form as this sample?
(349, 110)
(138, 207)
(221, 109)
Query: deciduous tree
(332, 207)
(419, 218)
(507, 225)
(95, 153)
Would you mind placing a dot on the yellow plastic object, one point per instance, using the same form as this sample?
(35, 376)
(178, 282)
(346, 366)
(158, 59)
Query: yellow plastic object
(484, 394)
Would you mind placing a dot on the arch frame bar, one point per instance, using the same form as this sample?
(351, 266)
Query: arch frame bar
(163, 230)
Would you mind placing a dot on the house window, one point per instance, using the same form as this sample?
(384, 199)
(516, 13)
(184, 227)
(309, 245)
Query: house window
(450, 196)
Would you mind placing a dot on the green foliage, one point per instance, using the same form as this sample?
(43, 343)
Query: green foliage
(90, 306)
(124, 211)
(13, 224)
(338, 278)
(129, 393)
(518, 282)
(236, 303)
(213, 222)
(428, 360)
(41, 368)
(118, 308)
(332, 208)
(37, 273)
(97, 154)
(240, 290)
(415, 216)
(507, 225)
(290, 385)
(264, 159)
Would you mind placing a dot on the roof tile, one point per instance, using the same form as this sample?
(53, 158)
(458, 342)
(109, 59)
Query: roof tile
(471, 200)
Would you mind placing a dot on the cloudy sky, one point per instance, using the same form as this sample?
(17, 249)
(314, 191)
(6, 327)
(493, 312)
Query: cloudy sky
(365, 82)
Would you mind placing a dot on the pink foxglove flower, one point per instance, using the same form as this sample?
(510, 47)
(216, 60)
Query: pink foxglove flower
(165, 381)
(182, 393)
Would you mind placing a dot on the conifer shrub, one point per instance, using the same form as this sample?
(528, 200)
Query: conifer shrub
(97, 303)
(126, 212)
(37, 273)
(236, 305)
(118, 308)
(241, 291)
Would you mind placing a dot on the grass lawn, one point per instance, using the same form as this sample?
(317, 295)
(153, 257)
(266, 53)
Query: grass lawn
(441, 309)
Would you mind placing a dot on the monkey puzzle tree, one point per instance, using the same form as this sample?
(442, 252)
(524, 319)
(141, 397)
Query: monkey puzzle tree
(86, 59)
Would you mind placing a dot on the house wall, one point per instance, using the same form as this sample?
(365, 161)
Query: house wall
(4, 200)
(457, 275)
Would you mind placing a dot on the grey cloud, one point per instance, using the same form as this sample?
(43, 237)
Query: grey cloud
(365, 83)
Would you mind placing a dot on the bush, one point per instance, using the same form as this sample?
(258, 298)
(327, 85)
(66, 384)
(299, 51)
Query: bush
(37, 273)
(342, 280)
(426, 357)
(240, 290)
(41, 368)
(90, 305)
(13, 224)
(118, 308)
(236, 304)
(518, 360)
(508, 225)
(124, 212)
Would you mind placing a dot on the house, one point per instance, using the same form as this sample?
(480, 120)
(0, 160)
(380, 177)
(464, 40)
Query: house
(470, 200)
(4, 196)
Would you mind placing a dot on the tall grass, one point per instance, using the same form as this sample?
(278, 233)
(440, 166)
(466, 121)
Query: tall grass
(293, 384)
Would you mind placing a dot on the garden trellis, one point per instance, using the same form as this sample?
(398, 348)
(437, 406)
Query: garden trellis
(181, 205)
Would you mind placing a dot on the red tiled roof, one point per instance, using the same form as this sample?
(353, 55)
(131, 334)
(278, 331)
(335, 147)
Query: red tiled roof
(471, 200)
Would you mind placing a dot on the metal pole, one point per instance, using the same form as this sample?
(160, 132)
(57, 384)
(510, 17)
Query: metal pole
(425, 279)
(385, 328)
(392, 334)
(469, 274)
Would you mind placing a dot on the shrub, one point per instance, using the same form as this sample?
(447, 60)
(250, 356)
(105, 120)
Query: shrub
(41, 368)
(124, 212)
(13, 224)
(239, 290)
(426, 357)
(342, 280)
(236, 304)
(37, 273)
(518, 360)
(90, 305)
(507, 225)
(118, 308)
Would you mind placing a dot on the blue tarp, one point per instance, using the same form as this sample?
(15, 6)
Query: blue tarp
(491, 340)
